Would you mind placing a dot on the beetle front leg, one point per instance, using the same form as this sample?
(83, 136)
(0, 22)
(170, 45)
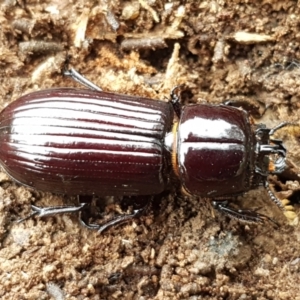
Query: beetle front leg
(244, 216)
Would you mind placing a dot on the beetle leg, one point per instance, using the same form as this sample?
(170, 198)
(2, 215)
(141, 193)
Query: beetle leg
(175, 100)
(52, 210)
(252, 106)
(284, 206)
(244, 216)
(273, 197)
(115, 221)
(281, 125)
(81, 79)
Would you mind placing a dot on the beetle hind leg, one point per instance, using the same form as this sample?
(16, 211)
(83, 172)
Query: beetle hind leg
(83, 207)
(243, 216)
(41, 212)
(51, 211)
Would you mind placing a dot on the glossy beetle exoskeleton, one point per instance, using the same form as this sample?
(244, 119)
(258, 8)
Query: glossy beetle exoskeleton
(85, 142)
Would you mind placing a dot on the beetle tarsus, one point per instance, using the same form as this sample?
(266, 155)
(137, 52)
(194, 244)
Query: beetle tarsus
(81, 79)
(52, 210)
(243, 216)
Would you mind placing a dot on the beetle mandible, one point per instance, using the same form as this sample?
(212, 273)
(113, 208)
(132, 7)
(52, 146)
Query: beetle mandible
(86, 142)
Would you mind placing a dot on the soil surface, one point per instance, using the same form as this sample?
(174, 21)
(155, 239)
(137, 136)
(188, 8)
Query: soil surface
(179, 249)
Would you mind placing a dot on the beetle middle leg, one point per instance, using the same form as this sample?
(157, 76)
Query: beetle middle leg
(254, 107)
(115, 221)
(140, 205)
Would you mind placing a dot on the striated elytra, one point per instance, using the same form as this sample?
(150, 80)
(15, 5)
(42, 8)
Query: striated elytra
(84, 142)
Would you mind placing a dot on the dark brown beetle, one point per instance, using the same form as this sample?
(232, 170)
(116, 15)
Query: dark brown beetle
(86, 142)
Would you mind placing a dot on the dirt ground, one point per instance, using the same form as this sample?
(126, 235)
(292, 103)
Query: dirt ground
(219, 50)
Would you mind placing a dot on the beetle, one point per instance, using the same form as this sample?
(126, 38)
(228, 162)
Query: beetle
(91, 142)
